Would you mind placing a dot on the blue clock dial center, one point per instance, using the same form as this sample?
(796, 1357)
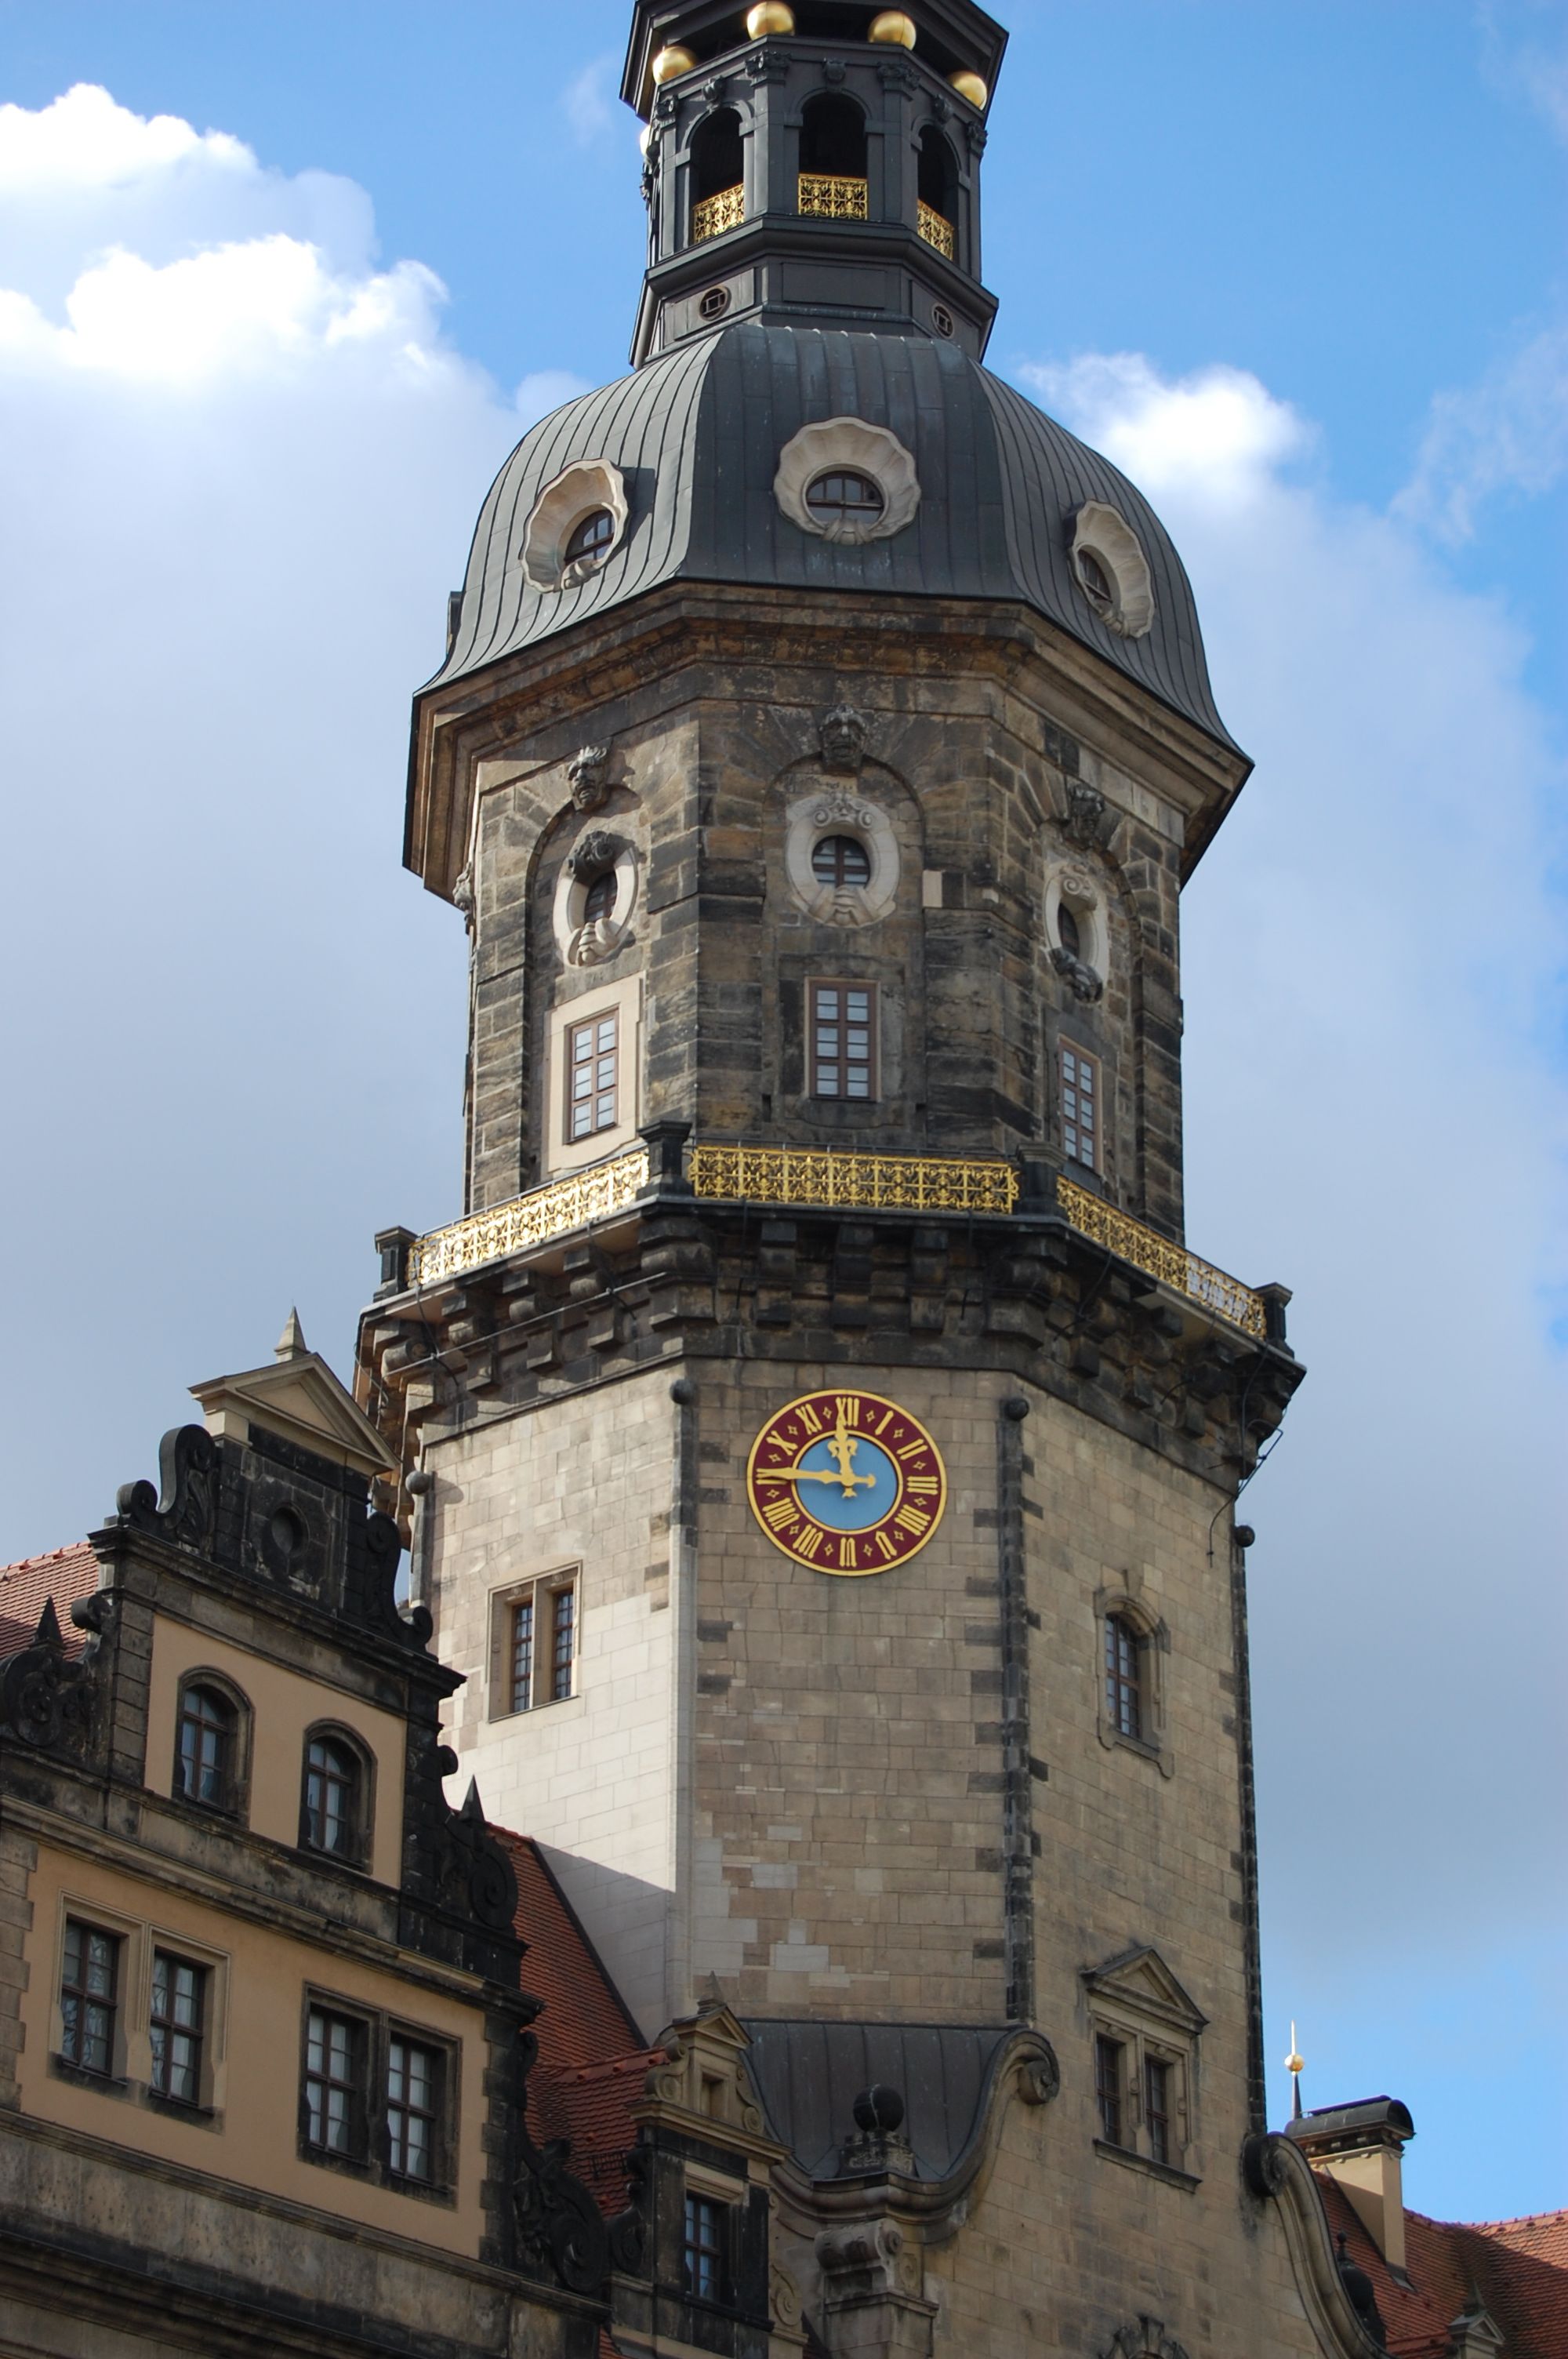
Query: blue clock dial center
(874, 1495)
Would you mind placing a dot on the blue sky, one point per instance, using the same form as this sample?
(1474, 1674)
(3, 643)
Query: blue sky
(1300, 268)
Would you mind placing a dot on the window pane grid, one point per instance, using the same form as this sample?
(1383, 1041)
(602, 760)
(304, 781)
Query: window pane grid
(206, 1747)
(1157, 2108)
(1123, 1695)
(1080, 1106)
(331, 2081)
(703, 2248)
(331, 1782)
(842, 1029)
(176, 2026)
(413, 2080)
(592, 1086)
(88, 1975)
(565, 1603)
(523, 1654)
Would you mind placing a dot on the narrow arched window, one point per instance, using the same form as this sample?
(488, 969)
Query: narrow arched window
(206, 1747)
(938, 185)
(333, 1813)
(1067, 932)
(718, 176)
(1123, 1676)
(833, 184)
(841, 860)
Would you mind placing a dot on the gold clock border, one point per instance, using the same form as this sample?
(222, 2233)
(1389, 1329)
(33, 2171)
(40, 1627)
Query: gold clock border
(839, 1572)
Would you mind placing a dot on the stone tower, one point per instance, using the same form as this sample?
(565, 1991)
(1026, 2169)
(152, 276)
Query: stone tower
(822, 1444)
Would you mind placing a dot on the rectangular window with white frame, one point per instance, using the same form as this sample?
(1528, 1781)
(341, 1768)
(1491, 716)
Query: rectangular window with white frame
(1079, 1077)
(589, 1102)
(534, 1643)
(593, 1076)
(841, 1040)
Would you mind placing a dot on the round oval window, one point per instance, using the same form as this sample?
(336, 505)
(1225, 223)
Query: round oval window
(840, 860)
(590, 538)
(845, 493)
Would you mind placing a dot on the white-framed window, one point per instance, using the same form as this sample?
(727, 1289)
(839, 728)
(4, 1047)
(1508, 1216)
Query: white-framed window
(592, 1055)
(593, 1075)
(841, 1040)
(1082, 1129)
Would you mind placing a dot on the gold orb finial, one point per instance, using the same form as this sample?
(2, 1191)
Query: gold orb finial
(892, 25)
(971, 86)
(671, 62)
(1294, 2061)
(769, 17)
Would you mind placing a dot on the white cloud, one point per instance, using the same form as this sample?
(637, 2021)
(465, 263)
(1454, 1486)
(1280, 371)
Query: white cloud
(1507, 434)
(589, 101)
(1371, 957)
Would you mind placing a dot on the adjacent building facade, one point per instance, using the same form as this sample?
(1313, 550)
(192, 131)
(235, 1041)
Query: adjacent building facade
(816, 1444)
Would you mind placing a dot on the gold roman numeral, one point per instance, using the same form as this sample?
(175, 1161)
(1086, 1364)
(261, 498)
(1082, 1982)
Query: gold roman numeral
(848, 1407)
(778, 1513)
(926, 1485)
(809, 1417)
(915, 1449)
(847, 1560)
(886, 1546)
(913, 1520)
(807, 1543)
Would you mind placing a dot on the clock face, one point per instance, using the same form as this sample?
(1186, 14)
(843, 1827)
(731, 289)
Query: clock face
(847, 1481)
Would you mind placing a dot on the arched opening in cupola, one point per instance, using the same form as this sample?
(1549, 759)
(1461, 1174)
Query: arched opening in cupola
(937, 219)
(718, 175)
(833, 158)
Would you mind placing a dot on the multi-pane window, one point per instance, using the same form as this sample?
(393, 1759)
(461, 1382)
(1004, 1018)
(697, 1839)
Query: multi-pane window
(412, 2102)
(176, 2022)
(334, 2082)
(1067, 932)
(1080, 1106)
(845, 495)
(89, 1995)
(593, 1065)
(590, 538)
(842, 1028)
(330, 1816)
(840, 860)
(543, 1645)
(1123, 1676)
(1157, 2107)
(204, 1751)
(1109, 2058)
(599, 899)
(702, 2247)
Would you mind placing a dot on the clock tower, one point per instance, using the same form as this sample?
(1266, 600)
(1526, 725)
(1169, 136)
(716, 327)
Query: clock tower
(820, 1442)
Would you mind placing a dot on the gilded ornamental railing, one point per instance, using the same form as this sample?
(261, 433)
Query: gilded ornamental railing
(710, 216)
(934, 230)
(531, 1220)
(825, 1177)
(829, 196)
(814, 1175)
(1173, 1265)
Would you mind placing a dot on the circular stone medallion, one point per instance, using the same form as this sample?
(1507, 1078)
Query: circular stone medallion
(847, 1481)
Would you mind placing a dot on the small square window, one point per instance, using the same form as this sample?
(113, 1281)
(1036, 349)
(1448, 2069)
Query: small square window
(842, 1040)
(177, 2023)
(540, 1643)
(1081, 1124)
(89, 1996)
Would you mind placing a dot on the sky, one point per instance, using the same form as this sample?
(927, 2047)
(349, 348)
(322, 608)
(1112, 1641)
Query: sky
(279, 287)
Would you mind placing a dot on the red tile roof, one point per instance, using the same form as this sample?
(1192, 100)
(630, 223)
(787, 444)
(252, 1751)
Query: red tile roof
(1517, 2269)
(63, 1574)
(593, 2062)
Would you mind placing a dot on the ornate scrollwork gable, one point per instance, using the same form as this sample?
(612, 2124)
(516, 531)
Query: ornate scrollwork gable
(48, 1702)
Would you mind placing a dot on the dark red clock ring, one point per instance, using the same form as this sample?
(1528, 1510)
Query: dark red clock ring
(846, 1482)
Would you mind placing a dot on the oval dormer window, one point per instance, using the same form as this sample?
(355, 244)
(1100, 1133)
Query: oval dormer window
(845, 496)
(1067, 932)
(590, 539)
(1095, 579)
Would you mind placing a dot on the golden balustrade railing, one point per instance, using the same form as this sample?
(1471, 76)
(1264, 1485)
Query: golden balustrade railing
(1173, 1265)
(935, 230)
(829, 196)
(531, 1220)
(829, 1177)
(815, 1175)
(711, 216)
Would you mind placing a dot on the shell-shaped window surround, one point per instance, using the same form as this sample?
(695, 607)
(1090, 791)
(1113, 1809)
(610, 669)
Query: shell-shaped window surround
(578, 496)
(1112, 569)
(847, 448)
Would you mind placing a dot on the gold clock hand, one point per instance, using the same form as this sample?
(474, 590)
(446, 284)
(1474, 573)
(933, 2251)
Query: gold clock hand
(811, 1474)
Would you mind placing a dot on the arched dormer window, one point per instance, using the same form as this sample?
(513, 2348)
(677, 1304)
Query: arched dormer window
(832, 185)
(718, 176)
(335, 1796)
(211, 1743)
(1124, 1707)
(937, 216)
(1133, 1641)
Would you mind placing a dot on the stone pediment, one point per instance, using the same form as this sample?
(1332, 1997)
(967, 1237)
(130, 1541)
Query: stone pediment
(1141, 1982)
(297, 1397)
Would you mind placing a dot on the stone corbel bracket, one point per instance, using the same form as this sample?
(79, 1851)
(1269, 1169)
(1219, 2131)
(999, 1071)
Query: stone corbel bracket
(1277, 2172)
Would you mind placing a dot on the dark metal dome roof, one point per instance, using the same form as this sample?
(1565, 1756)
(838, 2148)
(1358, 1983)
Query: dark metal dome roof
(697, 436)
